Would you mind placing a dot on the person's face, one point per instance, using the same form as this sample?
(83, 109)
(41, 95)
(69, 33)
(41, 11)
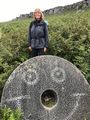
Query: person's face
(37, 15)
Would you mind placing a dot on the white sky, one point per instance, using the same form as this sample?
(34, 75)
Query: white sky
(10, 9)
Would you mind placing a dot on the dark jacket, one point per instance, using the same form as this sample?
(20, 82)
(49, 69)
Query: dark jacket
(38, 34)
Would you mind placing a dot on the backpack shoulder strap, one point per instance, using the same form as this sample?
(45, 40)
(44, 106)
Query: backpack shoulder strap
(32, 22)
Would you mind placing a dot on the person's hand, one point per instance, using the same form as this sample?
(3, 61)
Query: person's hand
(30, 48)
(45, 49)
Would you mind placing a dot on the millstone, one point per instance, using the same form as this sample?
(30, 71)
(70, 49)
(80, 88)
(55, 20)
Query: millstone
(48, 88)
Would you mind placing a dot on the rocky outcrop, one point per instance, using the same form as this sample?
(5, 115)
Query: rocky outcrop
(76, 6)
(22, 16)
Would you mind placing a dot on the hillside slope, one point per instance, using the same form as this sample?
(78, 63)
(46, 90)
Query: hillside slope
(69, 37)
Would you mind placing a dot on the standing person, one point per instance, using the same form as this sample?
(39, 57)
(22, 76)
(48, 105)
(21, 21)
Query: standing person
(38, 34)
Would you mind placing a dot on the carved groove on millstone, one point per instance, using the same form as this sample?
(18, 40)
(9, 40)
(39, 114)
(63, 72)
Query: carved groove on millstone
(18, 98)
(58, 75)
(31, 77)
(78, 97)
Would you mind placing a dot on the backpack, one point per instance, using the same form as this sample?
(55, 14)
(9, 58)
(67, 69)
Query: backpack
(46, 22)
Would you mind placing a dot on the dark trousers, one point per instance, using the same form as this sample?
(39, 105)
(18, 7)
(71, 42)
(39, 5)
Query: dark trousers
(37, 52)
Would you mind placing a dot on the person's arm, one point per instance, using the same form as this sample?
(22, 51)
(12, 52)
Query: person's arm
(29, 36)
(46, 36)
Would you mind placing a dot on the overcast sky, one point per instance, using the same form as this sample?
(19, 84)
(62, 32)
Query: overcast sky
(10, 9)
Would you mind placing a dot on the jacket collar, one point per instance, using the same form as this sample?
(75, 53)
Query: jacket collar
(39, 22)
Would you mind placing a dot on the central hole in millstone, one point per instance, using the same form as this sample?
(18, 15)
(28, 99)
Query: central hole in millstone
(49, 98)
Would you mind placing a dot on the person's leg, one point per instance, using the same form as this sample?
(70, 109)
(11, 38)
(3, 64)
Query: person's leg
(41, 51)
(37, 52)
(34, 52)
